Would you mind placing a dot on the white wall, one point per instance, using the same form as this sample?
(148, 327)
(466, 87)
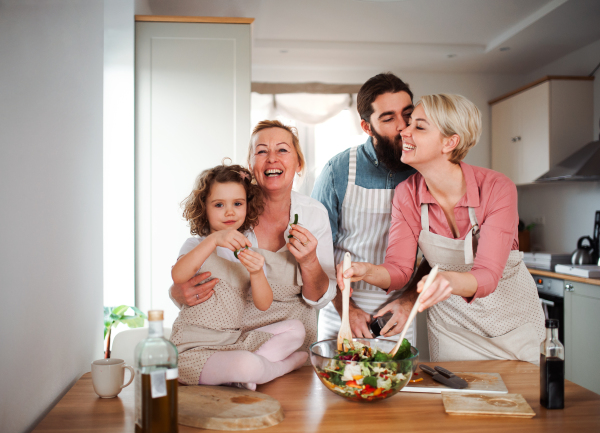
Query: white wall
(567, 207)
(119, 152)
(51, 202)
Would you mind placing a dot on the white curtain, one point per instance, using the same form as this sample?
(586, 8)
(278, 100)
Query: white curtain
(307, 108)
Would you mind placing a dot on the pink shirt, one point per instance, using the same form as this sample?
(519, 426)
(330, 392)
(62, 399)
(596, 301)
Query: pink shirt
(494, 198)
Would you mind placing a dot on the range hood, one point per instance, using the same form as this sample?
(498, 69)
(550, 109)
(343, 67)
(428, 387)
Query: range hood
(582, 165)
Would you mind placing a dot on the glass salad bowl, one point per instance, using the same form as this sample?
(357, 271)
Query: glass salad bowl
(360, 380)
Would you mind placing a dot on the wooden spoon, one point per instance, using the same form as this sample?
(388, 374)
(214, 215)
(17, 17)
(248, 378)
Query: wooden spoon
(345, 330)
(413, 312)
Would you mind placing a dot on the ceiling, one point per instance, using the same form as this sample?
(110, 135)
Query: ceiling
(466, 36)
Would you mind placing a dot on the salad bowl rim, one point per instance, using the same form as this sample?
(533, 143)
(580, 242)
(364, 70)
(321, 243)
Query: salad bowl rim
(415, 353)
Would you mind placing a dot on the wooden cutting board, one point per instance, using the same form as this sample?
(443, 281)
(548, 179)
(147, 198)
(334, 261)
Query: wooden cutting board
(478, 383)
(226, 408)
(512, 405)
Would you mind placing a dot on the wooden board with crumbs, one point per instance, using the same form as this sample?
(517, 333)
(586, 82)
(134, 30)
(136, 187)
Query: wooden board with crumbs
(226, 408)
(478, 382)
(511, 405)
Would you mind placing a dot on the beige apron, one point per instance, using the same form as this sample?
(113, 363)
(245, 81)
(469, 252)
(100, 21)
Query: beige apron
(507, 324)
(285, 279)
(228, 319)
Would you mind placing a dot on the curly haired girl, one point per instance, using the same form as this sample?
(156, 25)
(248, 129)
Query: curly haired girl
(223, 206)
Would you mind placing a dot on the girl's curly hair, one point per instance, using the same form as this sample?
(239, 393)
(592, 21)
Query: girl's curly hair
(194, 206)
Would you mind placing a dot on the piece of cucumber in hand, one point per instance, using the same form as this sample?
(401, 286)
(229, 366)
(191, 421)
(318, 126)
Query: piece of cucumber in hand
(295, 222)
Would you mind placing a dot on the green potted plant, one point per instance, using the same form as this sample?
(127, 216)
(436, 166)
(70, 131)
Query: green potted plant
(115, 315)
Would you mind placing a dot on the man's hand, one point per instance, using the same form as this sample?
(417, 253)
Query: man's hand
(359, 320)
(400, 309)
(192, 292)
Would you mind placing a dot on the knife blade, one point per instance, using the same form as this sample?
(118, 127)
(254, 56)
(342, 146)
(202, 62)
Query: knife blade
(455, 382)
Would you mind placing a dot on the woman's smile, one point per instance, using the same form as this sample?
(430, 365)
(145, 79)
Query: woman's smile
(273, 172)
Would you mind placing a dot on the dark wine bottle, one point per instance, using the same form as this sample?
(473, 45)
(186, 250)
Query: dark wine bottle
(552, 368)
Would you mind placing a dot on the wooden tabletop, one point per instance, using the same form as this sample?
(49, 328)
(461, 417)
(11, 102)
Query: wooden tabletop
(310, 407)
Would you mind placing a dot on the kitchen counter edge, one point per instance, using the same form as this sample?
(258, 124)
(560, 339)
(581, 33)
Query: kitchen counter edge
(543, 273)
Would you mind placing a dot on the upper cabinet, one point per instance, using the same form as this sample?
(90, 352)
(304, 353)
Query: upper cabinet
(539, 125)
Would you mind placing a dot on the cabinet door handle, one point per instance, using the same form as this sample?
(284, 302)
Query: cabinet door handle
(515, 139)
(569, 287)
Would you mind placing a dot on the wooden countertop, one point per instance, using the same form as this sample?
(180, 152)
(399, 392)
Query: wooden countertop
(310, 407)
(551, 274)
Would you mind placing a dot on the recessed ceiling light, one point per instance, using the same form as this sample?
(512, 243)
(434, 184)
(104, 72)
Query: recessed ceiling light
(450, 56)
(504, 48)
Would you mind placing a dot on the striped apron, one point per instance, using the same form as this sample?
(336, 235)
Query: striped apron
(365, 224)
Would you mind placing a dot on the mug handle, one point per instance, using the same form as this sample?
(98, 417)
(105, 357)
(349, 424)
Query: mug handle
(131, 374)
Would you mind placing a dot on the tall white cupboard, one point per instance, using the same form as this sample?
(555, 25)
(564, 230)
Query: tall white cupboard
(192, 110)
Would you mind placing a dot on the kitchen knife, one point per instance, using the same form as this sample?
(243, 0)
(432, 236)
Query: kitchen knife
(460, 382)
(454, 382)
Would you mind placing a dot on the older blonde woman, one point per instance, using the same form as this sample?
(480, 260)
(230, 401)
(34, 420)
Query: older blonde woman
(299, 263)
(484, 303)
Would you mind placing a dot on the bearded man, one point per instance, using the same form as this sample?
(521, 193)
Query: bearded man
(357, 187)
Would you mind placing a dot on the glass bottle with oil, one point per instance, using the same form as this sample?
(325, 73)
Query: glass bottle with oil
(156, 380)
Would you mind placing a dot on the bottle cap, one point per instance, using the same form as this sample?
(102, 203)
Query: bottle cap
(154, 315)
(552, 323)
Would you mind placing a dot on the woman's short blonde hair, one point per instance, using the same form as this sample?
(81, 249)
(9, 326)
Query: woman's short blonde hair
(454, 114)
(266, 124)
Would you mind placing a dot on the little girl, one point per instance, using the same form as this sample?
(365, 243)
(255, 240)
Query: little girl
(212, 348)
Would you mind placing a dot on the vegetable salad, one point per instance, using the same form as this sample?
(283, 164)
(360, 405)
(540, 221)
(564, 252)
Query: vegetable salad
(365, 373)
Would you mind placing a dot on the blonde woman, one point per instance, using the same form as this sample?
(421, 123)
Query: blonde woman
(483, 304)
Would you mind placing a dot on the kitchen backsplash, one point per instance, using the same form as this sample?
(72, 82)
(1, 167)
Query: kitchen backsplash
(567, 210)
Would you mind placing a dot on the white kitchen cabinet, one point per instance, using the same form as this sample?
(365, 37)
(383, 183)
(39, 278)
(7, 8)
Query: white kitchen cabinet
(582, 334)
(538, 126)
(192, 110)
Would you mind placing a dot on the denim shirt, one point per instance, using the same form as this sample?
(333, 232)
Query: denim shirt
(330, 187)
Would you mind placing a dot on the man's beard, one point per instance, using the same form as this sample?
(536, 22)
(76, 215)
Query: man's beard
(389, 151)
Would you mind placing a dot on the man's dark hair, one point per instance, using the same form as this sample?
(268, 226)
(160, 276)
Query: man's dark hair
(375, 86)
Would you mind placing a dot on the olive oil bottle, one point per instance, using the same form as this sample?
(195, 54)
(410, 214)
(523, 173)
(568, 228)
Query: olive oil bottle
(156, 380)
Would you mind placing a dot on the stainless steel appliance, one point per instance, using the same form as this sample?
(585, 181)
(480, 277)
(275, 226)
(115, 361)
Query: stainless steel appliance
(551, 293)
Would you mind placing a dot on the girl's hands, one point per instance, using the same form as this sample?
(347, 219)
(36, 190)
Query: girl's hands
(303, 245)
(253, 261)
(231, 239)
(357, 272)
(439, 291)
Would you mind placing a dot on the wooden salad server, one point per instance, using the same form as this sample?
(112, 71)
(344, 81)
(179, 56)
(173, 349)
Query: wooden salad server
(413, 312)
(345, 330)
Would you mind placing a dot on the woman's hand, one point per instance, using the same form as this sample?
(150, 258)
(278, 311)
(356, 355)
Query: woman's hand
(303, 245)
(231, 239)
(253, 261)
(192, 292)
(438, 291)
(356, 272)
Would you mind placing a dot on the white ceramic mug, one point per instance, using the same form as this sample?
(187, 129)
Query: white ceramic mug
(108, 376)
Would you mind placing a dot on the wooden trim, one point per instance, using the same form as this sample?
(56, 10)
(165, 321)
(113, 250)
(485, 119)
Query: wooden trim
(182, 19)
(323, 88)
(536, 82)
(593, 281)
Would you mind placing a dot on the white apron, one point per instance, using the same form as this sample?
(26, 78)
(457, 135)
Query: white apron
(364, 229)
(507, 324)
